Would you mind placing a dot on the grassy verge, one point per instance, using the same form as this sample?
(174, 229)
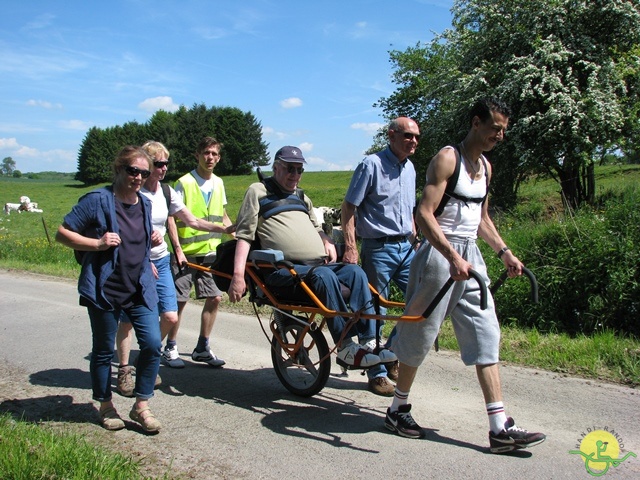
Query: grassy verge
(31, 451)
(603, 356)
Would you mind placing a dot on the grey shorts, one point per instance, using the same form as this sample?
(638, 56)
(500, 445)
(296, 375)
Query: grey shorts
(205, 286)
(477, 331)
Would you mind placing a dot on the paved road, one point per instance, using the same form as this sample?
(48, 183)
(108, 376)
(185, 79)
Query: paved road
(239, 422)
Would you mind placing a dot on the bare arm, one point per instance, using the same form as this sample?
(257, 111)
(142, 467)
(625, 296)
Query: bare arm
(199, 224)
(348, 221)
(172, 231)
(238, 284)
(76, 241)
(329, 247)
(440, 169)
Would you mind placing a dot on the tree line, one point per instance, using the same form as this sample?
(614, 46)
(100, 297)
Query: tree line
(240, 132)
(569, 69)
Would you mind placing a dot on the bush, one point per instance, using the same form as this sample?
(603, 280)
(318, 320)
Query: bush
(587, 268)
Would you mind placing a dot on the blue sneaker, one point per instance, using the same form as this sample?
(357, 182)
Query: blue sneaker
(207, 357)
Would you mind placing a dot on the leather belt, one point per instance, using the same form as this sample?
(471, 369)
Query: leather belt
(392, 239)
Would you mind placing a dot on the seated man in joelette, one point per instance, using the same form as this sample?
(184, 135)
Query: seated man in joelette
(281, 217)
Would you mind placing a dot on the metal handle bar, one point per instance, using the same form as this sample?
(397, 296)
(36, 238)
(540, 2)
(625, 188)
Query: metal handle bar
(447, 286)
(530, 276)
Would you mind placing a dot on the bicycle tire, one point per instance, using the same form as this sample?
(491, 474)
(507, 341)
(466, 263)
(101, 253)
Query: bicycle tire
(307, 372)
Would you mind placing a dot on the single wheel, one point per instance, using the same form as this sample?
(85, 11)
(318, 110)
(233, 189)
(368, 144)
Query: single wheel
(306, 371)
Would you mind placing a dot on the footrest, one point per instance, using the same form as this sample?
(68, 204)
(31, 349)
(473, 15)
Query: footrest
(346, 366)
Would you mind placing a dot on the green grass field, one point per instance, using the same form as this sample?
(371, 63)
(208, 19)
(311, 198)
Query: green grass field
(24, 243)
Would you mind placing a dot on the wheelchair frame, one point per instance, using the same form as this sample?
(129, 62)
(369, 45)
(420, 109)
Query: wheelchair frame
(300, 353)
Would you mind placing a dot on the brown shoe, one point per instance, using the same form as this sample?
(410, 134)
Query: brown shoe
(126, 384)
(381, 386)
(148, 421)
(110, 419)
(392, 371)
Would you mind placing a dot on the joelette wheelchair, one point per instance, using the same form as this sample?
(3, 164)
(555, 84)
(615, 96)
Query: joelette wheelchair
(300, 353)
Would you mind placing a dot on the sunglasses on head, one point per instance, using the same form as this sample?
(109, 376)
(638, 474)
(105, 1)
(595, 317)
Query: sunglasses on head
(291, 169)
(410, 136)
(135, 171)
(160, 164)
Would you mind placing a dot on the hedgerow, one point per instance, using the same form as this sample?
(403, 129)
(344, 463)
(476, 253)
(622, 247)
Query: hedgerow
(587, 265)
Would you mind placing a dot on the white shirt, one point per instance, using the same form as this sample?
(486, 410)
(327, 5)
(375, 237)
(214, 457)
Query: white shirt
(159, 214)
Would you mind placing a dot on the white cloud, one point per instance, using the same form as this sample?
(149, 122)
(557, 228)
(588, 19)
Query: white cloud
(270, 132)
(41, 21)
(154, 104)
(29, 159)
(369, 128)
(360, 30)
(210, 33)
(24, 151)
(319, 164)
(292, 102)
(75, 125)
(43, 104)
(8, 143)
(305, 147)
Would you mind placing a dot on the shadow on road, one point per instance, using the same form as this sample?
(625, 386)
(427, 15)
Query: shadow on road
(326, 417)
(56, 408)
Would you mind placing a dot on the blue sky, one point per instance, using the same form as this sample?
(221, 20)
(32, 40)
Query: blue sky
(310, 71)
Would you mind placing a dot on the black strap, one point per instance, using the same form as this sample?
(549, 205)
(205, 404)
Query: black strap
(278, 201)
(167, 195)
(453, 181)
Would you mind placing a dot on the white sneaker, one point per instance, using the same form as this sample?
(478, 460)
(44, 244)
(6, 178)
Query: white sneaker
(207, 357)
(386, 355)
(171, 357)
(355, 356)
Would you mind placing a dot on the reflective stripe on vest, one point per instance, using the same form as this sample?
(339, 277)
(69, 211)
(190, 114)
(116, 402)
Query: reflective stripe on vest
(195, 241)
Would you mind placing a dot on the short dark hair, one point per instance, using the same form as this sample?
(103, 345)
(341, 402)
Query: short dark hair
(483, 108)
(207, 142)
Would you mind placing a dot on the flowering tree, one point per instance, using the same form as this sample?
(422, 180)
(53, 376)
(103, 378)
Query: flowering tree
(570, 70)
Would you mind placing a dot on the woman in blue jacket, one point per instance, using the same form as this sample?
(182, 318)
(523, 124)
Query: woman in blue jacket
(111, 230)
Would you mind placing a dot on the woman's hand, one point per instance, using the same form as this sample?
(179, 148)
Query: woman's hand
(108, 240)
(156, 238)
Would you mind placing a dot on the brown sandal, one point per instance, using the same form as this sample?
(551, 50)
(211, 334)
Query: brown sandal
(110, 419)
(149, 422)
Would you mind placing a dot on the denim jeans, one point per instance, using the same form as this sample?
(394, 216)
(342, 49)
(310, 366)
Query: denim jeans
(104, 325)
(325, 281)
(384, 262)
(167, 301)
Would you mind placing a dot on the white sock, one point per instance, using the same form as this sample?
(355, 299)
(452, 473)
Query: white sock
(497, 417)
(399, 398)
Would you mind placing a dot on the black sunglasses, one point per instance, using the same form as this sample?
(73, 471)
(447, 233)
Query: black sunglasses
(409, 135)
(291, 170)
(135, 171)
(159, 164)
